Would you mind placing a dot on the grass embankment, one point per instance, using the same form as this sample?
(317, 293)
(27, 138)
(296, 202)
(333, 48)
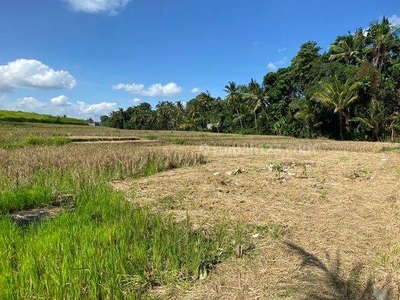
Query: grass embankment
(103, 248)
(20, 116)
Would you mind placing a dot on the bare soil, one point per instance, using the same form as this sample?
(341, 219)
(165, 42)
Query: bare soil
(322, 222)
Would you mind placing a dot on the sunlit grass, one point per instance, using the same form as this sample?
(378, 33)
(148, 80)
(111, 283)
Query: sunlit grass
(102, 248)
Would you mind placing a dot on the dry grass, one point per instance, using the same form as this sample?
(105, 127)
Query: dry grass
(323, 216)
(260, 141)
(18, 132)
(340, 207)
(110, 161)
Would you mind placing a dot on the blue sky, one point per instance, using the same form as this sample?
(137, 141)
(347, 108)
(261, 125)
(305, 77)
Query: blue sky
(85, 58)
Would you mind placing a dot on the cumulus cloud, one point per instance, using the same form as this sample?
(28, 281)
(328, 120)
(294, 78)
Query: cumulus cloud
(30, 73)
(28, 104)
(59, 106)
(96, 6)
(273, 66)
(157, 89)
(136, 100)
(95, 109)
(394, 20)
(60, 100)
(195, 90)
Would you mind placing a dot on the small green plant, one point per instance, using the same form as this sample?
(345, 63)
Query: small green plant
(277, 167)
(265, 146)
(360, 173)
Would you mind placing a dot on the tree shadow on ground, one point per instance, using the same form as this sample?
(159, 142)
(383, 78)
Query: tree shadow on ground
(329, 281)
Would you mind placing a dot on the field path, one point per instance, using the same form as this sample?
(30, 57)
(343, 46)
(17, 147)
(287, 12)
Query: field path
(337, 208)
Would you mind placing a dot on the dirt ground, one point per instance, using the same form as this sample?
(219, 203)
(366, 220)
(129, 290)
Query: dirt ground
(322, 222)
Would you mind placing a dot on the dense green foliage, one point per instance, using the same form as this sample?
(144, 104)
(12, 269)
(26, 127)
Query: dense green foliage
(352, 91)
(19, 116)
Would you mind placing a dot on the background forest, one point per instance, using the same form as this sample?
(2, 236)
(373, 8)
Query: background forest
(350, 92)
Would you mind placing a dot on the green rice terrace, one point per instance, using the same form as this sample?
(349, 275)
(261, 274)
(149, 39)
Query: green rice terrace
(20, 116)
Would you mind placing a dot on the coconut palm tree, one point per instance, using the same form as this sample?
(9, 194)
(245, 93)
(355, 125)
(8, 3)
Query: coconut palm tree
(349, 48)
(307, 114)
(395, 123)
(256, 98)
(384, 43)
(233, 98)
(375, 121)
(338, 96)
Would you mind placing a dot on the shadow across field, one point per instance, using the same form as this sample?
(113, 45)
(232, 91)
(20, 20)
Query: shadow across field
(322, 281)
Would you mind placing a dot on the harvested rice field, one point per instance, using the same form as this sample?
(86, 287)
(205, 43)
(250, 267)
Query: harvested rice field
(175, 215)
(316, 224)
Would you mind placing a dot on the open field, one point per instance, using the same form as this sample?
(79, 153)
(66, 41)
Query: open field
(85, 240)
(339, 207)
(20, 116)
(288, 218)
(20, 134)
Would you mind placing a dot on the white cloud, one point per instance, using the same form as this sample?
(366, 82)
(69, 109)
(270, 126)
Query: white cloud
(95, 109)
(96, 6)
(282, 49)
(157, 89)
(30, 73)
(273, 66)
(136, 100)
(60, 100)
(59, 106)
(195, 90)
(28, 104)
(394, 20)
(133, 88)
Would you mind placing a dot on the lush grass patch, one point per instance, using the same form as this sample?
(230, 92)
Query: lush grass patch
(35, 141)
(105, 249)
(19, 116)
(24, 198)
(391, 148)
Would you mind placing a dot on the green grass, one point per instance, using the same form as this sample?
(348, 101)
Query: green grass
(34, 141)
(104, 248)
(19, 116)
(25, 198)
(391, 148)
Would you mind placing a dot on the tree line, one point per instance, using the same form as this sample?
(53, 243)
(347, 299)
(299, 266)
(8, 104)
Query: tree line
(351, 91)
